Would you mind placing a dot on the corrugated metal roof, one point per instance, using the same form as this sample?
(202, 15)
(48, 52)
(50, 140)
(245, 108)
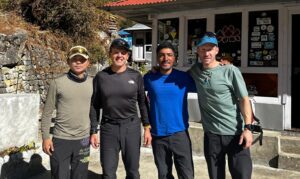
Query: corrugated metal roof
(138, 27)
(135, 2)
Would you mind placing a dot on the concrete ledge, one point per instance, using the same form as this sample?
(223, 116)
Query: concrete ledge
(266, 154)
(197, 134)
(290, 144)
(19, 119)
(289, 161)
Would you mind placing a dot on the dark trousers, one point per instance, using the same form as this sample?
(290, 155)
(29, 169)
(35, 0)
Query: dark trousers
(70, 158)
(177, 147)
(122, 135)
(216, 147)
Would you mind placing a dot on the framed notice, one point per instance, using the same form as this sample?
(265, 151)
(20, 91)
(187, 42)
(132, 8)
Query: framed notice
(229, 34)
(263, 39)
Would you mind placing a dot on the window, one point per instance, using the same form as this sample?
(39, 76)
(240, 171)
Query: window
(168, 30)
(263, 39)
(261, 84)
(229, 34)
(196, 27)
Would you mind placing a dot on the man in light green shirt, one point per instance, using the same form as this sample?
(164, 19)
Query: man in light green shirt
(225, 112)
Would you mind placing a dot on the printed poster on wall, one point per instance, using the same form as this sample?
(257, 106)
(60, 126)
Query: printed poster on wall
(263, 39)
(229, 34)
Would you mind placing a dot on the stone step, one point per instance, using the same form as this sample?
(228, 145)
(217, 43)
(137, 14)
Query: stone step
(289, 161)
(279, 149)
(270, 154)
(290, 144)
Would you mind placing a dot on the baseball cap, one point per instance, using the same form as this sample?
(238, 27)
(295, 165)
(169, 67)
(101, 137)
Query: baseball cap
(120, 43)
(78, 50)
(209, 37)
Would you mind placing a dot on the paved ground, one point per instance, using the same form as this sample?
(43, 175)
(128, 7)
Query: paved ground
(39, 169)
(148, 169)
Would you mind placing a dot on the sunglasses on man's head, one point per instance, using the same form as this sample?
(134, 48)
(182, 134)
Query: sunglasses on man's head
(209, 34)
(80, 50)
(120, 43)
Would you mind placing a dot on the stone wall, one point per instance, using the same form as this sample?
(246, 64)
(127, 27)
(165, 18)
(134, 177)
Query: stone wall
(27, 63)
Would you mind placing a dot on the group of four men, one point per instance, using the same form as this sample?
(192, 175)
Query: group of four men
(223, 101)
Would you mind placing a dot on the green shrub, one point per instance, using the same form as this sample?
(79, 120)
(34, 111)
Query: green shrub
(98, 53)
(74, 17)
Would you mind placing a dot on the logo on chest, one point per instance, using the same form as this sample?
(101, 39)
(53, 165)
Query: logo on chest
(131, 82)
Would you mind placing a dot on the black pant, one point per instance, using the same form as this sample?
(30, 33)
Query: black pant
(122, 135)
(239, 159)
(70, 158)
(177, 146)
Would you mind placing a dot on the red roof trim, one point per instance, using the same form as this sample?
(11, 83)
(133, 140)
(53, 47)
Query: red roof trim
(135, 2)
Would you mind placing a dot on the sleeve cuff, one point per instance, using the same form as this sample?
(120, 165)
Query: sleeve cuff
(147, 126)
(93, 131)
(45, 136)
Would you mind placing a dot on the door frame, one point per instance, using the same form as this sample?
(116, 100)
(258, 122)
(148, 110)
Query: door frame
(290, 12)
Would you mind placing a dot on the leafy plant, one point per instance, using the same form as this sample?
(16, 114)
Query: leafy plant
(98, 53)
(13, 150)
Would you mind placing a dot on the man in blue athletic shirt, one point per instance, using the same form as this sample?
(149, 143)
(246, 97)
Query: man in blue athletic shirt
(167, 91)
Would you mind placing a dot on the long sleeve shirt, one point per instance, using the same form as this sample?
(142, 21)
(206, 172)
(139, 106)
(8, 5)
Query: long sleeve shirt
(71, 99)
(118, 94)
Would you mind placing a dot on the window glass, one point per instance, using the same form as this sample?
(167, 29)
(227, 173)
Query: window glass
(261, 84)
(196, 27)
(229, 34)
(168, 30)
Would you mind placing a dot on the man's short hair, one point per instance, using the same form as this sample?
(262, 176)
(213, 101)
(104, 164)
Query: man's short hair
(163, 45)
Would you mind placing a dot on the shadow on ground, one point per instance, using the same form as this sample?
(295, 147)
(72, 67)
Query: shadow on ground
(17, 168)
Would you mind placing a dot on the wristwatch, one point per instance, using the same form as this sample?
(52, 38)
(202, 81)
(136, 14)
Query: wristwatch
(93, 131)
(249, 127)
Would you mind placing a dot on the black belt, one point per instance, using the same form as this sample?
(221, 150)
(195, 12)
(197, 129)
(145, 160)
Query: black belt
(117, 121)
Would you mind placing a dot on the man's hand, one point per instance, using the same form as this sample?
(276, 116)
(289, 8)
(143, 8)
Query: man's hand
(95, 142)
(155, 69)
(48, 146)
(246, 138)
(147, 137)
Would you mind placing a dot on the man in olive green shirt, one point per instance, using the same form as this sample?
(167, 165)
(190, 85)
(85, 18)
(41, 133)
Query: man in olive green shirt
(70, 95)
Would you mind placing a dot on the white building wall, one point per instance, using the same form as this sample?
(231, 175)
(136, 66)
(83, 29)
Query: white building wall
(280, 105)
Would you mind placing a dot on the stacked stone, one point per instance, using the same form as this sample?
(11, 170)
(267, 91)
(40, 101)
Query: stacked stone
(27, 67)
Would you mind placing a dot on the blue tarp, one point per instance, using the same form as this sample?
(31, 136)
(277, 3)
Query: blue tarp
(123, 33)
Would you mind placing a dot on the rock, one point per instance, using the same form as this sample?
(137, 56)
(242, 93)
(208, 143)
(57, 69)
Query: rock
(3, 90)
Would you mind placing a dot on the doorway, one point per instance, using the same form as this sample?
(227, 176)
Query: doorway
(295, 71)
